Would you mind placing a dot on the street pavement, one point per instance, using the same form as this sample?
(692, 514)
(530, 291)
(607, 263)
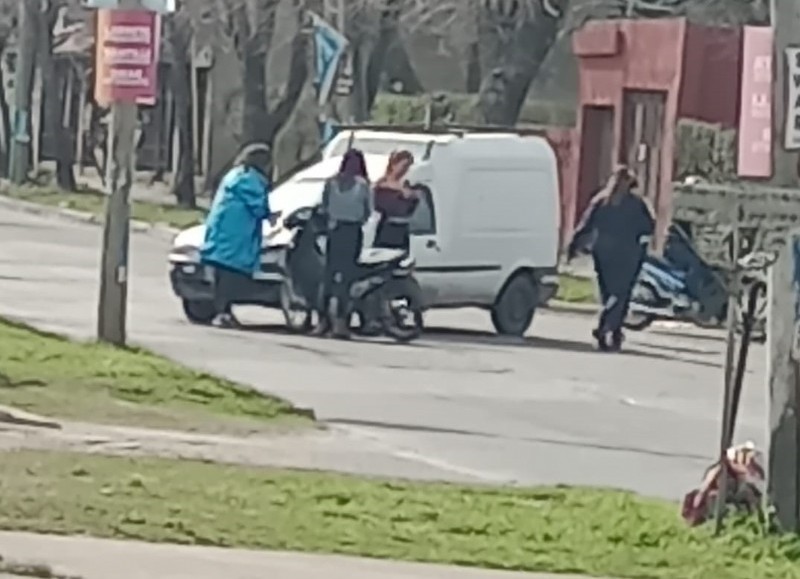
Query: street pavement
(87, 558)
(461, 401)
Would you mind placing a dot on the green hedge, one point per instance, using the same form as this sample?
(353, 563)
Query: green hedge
(702, 149)
(398, 110)
(705, 150)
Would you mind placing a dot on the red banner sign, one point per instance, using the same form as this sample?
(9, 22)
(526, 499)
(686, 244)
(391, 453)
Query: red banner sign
(755, 122)
(126, 56)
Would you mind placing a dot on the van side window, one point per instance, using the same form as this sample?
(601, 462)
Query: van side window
(423, 220)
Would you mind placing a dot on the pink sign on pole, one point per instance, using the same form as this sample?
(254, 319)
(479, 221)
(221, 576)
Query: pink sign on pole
(126, 56)
(755, 117)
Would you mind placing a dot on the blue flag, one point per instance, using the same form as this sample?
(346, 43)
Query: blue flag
(329, 46)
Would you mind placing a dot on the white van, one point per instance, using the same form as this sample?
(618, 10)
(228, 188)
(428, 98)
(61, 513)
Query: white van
(488, 234)
(487, 229)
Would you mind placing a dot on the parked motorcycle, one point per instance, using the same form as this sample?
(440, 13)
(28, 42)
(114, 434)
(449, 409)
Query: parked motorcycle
(387, 300)
(678, 286)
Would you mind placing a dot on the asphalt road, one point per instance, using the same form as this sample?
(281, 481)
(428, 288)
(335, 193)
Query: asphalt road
(544, 410)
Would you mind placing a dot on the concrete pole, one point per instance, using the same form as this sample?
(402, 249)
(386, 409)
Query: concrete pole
(785, 17)
(783, 382)
(23, 88)
(113, 302)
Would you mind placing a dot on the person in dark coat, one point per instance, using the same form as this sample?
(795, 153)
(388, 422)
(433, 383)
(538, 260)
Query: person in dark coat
(234, 233)
(395, 202)
(617, 226)
(347, 205)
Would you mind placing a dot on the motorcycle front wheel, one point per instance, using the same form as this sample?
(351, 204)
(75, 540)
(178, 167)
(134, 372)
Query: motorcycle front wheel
(640, 321)
(403, 310)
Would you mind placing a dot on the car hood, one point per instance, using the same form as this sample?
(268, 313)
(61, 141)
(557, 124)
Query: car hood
(194, 236)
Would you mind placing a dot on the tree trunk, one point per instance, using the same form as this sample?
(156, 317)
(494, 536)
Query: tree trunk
(54, 102)
(180, 36)
(5, 119)
(513, 47)
(398, 66)
(256, 114)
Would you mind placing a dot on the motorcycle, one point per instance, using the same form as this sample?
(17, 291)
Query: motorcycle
(386, 298)
(678, 286)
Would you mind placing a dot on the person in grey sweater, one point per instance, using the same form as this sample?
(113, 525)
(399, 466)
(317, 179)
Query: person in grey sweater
(347, 205)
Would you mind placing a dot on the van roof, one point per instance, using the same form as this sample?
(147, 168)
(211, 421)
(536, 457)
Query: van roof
(420, 137)
(376, 165)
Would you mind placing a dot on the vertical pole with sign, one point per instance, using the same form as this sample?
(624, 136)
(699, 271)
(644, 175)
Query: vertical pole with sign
(126, 45)
(783, 382)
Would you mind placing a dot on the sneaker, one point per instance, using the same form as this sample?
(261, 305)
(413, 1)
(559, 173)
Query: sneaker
(321, 330)
(341, 331)
(226, 321)
(600, 338)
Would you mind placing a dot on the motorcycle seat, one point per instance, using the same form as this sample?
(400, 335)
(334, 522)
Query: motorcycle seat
(378, 255)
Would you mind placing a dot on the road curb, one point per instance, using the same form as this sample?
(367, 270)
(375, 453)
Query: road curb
(157, 229)
(9, 415)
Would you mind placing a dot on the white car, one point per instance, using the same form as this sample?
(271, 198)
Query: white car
(485, 234)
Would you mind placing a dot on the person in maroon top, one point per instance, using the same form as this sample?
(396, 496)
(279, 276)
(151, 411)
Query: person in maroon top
(395, 202)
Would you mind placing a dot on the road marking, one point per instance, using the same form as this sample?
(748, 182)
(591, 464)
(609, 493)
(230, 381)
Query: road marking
(414, 456)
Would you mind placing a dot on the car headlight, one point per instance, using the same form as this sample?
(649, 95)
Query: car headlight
(183, 253)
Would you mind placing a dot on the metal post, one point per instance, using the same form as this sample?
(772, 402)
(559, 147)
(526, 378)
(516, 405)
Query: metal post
(730, 353)
(23, 87)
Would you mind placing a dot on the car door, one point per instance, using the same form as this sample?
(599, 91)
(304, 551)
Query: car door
(438, 285)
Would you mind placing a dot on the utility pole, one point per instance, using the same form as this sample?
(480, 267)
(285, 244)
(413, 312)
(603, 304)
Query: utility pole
(783, 382)
(23, 86)
(783, 379)
(785, 19)
(112, 304)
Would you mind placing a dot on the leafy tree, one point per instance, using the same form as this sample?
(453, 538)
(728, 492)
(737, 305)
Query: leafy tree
(514, 38)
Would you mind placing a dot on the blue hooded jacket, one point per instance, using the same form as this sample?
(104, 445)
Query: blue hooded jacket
(233, 234)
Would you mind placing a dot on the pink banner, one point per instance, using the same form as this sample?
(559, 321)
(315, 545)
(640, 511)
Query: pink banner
(755, 120)
(126, 48)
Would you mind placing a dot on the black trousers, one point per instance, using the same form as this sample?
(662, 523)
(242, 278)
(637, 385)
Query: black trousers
(344, 245)
(616, 277)
(392, 235)
(228, 285)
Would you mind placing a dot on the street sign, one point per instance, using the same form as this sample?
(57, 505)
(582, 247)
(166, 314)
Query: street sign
(127, 56)
(160, 6)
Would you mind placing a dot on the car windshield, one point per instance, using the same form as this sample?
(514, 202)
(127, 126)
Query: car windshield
(373, 146)
(296, 194)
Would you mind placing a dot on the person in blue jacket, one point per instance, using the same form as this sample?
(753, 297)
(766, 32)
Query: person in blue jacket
(233, 236)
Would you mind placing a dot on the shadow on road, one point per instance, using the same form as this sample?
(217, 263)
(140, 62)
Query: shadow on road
(536, 440)
(461, 336)
(452, 336)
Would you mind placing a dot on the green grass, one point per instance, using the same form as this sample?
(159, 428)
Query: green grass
(93, 202)
(576, 290)
(568, 530)
(52, 376)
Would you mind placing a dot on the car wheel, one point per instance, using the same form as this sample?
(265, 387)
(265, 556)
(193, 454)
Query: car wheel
(513, 311)
(199, 311)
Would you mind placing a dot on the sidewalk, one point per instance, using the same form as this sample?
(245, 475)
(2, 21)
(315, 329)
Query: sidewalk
(142, 189)
(104, 559)
(335, 450)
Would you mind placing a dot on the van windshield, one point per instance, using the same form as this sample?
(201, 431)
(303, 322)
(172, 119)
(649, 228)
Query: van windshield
(373, 146)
